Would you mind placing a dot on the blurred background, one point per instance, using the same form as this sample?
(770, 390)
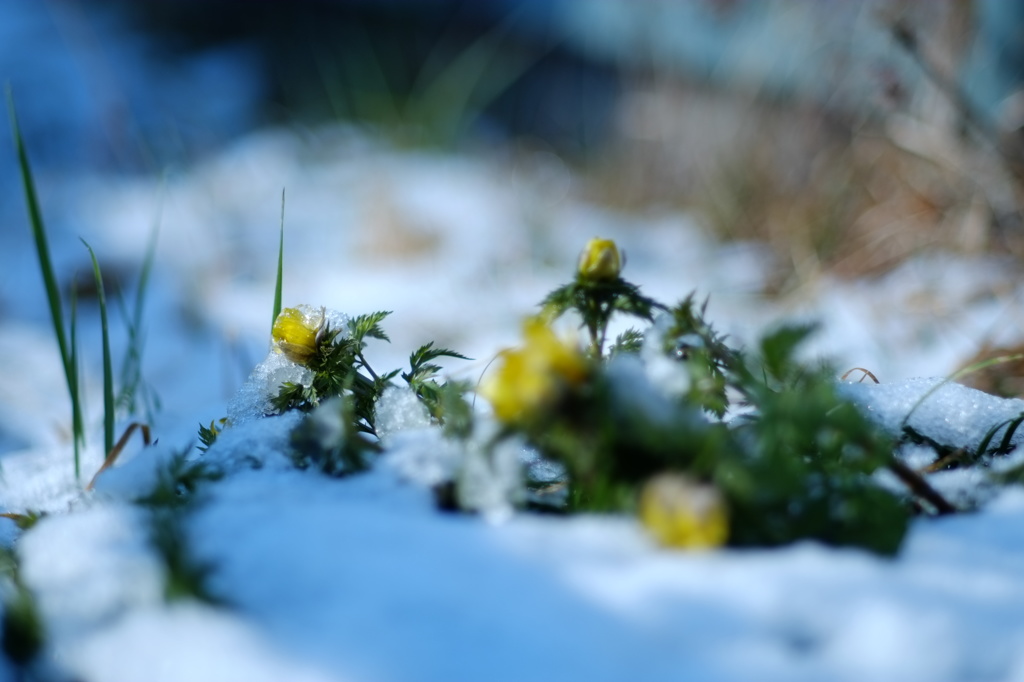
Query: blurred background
(858, 161)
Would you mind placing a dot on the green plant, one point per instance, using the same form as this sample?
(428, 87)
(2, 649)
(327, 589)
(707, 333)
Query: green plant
(108, 372)
(279, 282)
(67, 347)
(22, 632)
(432, 103)
(174, 496)
(797, 463)
(328, 440)
(597, 292)
(186, 577)
(133, 389)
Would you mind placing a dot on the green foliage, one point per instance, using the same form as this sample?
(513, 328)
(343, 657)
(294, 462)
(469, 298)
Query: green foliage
(596, 301)
(25, 520)
(445, 402)
(803, 464)
(170, 501)
(22, 633)
(326, 439)
(797, 464)
(208, 434)
(777, 350)
(629, 341)
(67, 348)
(363, 326)
(186, 577)
(108, 367)
(178, 482)
(340, 367)
(335, 366)
(134, 392)
(434, 103)
(689, 339)
(279, 282)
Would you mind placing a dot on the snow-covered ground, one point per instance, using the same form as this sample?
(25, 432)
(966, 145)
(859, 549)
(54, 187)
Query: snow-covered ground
(362, 578)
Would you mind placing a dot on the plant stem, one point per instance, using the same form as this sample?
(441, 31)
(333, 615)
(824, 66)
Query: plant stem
(921, 488)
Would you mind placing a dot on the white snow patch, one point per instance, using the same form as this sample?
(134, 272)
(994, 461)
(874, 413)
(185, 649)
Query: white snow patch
(942, 410)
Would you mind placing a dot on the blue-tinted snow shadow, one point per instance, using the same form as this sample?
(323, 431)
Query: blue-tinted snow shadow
(369, 581)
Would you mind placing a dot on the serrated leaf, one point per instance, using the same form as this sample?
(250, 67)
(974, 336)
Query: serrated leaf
(368, 325)
(629, 341)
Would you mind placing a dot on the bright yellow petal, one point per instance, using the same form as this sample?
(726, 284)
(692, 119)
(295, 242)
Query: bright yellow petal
(600, 260)
(295, 331)
(529, 378)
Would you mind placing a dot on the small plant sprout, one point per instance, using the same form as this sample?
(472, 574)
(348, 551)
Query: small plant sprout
(332, 348)
(66, 344)
(108, 372)
(598, 292)
(798, 464)
(279, 281)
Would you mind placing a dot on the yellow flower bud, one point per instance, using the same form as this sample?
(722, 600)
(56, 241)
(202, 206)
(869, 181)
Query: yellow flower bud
(531, 377)
(680, 512)
(295, 332)
(600, 260)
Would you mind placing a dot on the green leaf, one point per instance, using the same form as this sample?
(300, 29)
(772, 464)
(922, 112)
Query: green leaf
(208, 435)
(279, 284)
(133, 389)
(78, 428)
(108, 371)
(186, 577)
(363, 326)
(420, 361)
(49, 278)
(778, 350)
(629, 341)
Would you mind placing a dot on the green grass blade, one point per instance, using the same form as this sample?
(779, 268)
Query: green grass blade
(987, 440)
(144, 275)
(108, 373)
(132, 388)
(1006, 445)
(280, 268)
(39, 236)
(68, 355)
(77, 427)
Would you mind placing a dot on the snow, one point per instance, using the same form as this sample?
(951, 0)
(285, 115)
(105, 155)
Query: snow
(951, 414)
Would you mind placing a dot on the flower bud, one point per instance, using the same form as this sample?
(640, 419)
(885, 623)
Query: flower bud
(680, 512)
(600, 260)
(295, 332)
(531, 377)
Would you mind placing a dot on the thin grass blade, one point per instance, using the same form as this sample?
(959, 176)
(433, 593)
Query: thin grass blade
(132, 388)
(1006, 445)
(77, 427)
(279, 285)
(108, 372)
(39, 237)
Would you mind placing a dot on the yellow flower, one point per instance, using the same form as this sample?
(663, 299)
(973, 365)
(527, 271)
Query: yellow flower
(295, 332)
(680, 512)
(531, 377)
(600, 260)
